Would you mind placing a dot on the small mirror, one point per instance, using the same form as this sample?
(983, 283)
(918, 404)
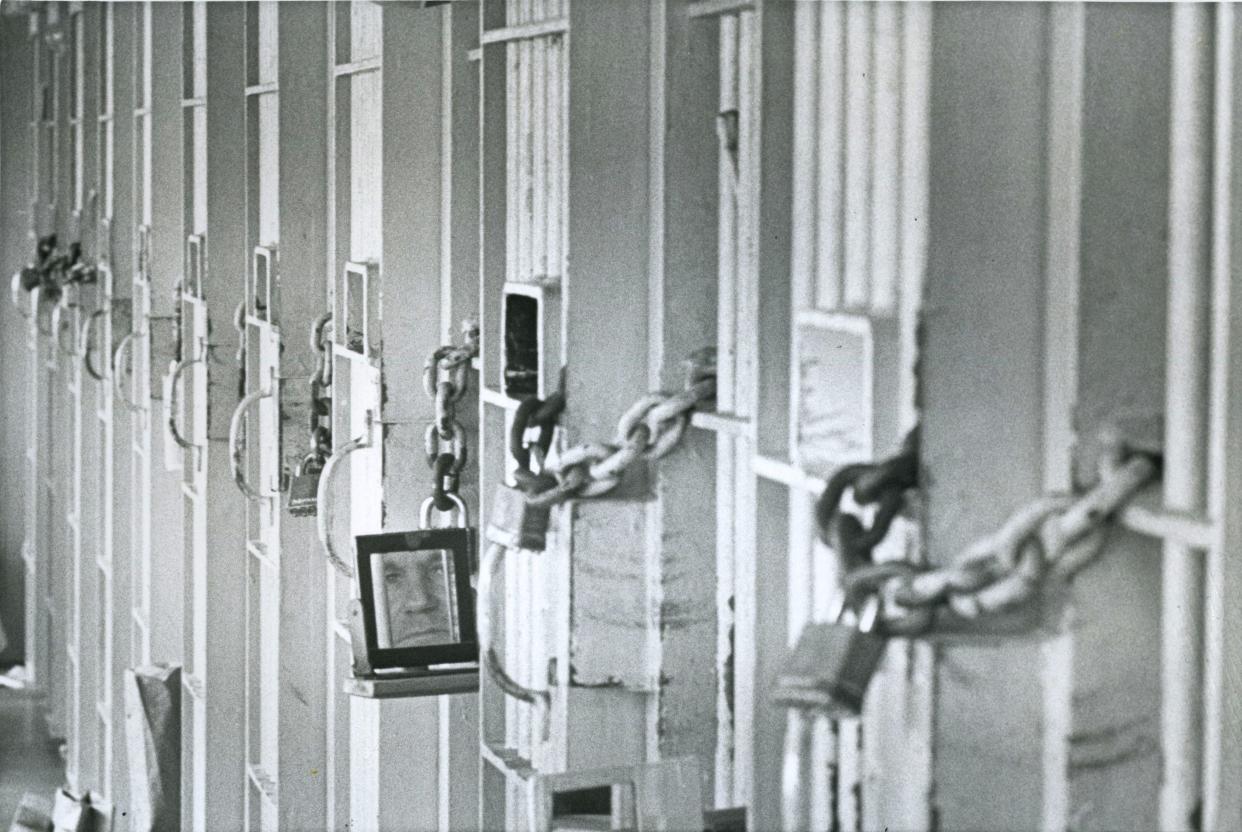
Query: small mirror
(417, 602)
(412, 598)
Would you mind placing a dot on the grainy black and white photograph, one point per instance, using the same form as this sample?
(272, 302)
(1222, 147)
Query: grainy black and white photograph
(620, 416)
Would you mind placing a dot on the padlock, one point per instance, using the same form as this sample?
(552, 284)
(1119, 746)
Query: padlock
(832, 664)
(304, 487)
(515, 523)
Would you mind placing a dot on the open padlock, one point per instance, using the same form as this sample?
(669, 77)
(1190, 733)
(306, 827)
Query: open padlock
(832, 664)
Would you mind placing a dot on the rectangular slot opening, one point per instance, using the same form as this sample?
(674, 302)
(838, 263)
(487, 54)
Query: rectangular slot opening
(355, 332)
(521, 347)
(144, 252)
(193, 276)
(259, 298)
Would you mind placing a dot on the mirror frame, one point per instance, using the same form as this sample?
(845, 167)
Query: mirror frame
(456, 541)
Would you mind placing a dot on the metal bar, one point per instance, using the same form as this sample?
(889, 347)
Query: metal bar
(1185, 411)
(262, 89)
(856, 248)
(358, 67)
(716, 8)
(1222, 719)
(885, 159)
(525, 31)
(806, 61)
(782, 472)
(726, 229)
(1182, 528)
(1061, 371)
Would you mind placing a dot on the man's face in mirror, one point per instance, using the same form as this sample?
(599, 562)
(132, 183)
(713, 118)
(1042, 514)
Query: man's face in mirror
(415, 596)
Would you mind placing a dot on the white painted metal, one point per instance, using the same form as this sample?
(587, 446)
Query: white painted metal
(260, 451)
(261, 469)
(140, 393)
(1222, 723)
(532, 35)
(192, 421)
(1061, 330)
(1186, 390)
(860, 71)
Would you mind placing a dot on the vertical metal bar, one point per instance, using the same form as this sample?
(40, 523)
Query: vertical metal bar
(915, 133)
(1185, 409)
(745, 335)
(829, 152)
(886, 164)
(1222, 742)
(1061, 370)
(727, 232)
(512, 127)
(539, 148)
(859, 81)
(806, 60)
(555, 150)
(524, 146)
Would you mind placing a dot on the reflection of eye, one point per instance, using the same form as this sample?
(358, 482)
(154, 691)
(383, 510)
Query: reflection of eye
(391, 575)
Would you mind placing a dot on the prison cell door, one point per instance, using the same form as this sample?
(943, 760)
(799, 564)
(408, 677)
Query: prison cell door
(205, 382)
(36, 636)
(355, 49)
(354, 760)
(254, 435)
(116, 167)
(38, 545)
(522, 86)
(83, 737)
(140, 483)
(77, 299)
(112, 206)
(859, 200)
(59, 417)
(188, 424)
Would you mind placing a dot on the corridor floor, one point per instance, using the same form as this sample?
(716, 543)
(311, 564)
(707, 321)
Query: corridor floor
(29, 760)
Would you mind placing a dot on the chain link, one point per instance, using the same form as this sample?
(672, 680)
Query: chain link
(1054, 536)
(543, 414)
(54, 268)
(883, 485)
(445, 380)
(648, 430)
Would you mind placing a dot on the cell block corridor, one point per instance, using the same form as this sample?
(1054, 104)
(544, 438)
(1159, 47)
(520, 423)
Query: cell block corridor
(653, 415)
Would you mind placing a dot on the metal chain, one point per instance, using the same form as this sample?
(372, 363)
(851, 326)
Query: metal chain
(445, 380)
(649, 429)
(882, 484)
(1054, 536)
(320, 397)
(543, 414)
(54, 268)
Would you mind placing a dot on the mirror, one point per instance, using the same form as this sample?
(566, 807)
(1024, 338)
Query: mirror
(417, 602)
(412, 592)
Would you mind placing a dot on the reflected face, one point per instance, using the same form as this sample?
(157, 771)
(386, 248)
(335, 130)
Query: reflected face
(414, 598)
